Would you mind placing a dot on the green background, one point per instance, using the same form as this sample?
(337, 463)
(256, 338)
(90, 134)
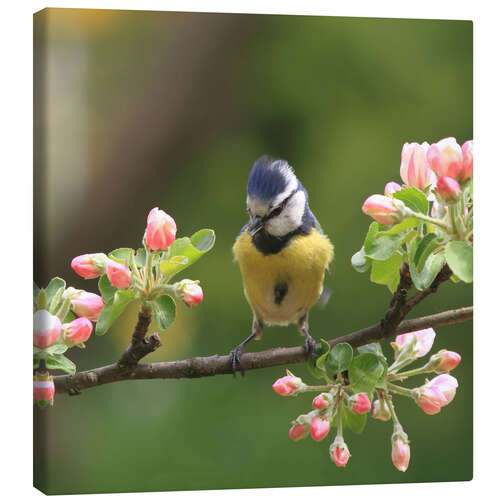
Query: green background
(141, 109)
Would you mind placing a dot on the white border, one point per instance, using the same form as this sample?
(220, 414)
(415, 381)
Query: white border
(16, 95)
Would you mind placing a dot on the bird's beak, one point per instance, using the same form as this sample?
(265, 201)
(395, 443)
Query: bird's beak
(255, 225)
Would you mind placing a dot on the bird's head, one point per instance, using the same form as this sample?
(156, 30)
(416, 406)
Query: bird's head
(276, 200)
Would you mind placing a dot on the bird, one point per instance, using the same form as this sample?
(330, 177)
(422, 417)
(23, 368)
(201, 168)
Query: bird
(282, 252)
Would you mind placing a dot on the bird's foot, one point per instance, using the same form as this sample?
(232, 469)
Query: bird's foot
(235, 358)
(309, 345)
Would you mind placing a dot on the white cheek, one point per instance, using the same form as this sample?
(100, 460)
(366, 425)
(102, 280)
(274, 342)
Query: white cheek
(290, 218)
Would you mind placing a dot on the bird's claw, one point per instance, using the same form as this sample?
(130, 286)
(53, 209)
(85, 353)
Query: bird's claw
(235, 358)
(309, 346)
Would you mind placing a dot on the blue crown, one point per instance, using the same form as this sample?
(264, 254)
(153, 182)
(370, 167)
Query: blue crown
(268, 177)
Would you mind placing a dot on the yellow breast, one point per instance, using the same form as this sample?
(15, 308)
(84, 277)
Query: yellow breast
(298, 271)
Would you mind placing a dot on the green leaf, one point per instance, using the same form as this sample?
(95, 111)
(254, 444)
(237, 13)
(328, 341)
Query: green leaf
(429, 265)
(365, 371)
(36, 293)
(191, 248)
(340, 357)
(140, 257)
(53, 287)
(60, 362)
(121, 254)
(398, 228)
(373, 229)
(387, 272)
(56, 300)
(55, 349)
(313, 370)
(381, 248)
(203, 240)
(42, 300)
(459, 256)
(374, 348)
(382, 381)
(360, 262)
(164, 311)
(56, 362)
(325, 349)
(413, 199)
(69, 318)
(409, 236)
(113, 309)
(312, 360)
(432, 266)
(353, 421)
(426, 245)
(106, 289)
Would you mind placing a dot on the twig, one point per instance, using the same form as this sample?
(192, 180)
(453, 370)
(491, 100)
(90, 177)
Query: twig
(218, 365)
(140, 345)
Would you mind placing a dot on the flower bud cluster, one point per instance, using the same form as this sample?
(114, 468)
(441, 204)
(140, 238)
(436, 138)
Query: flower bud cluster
(441, 171)
(143, 274)
(159, 235)
(337, 403)
(439, 391)
(328, 408)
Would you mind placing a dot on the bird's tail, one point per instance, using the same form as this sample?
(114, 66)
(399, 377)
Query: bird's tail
(324, 297)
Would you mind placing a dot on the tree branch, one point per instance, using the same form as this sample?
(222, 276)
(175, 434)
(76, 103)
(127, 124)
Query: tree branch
(127, 367)
(218, 365)
(140, 345)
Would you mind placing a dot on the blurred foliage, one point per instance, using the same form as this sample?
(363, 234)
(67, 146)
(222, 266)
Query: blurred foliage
(169, 109)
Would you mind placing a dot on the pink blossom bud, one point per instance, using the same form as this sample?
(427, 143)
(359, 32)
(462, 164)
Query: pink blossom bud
(448, 189)
(78, 331)
(444, 361)
(360, 403)
(89, 265)
(288, 385)
(421, 341)
(383, 209)
(391, 188)
(190, 292)
(43, 389)
(46, 328)
(445, 158)
(321, 401)
(381, 411)
(437, 393)
(298, 432)
(467, 167)
(414, 169)
(160, 230)
(400, 451)
(119, 274)
(339, 452)
(87, 305)
(319, 428)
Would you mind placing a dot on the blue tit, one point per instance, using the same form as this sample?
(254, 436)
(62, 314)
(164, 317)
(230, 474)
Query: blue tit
(282, 252)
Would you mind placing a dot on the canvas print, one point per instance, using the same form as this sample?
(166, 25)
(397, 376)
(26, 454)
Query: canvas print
(252, 252)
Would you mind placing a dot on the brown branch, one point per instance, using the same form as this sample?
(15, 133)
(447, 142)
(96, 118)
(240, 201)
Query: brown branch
(140, 345)
(218, 365)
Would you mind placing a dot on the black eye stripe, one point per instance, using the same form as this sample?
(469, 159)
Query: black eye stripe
(280, 207)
